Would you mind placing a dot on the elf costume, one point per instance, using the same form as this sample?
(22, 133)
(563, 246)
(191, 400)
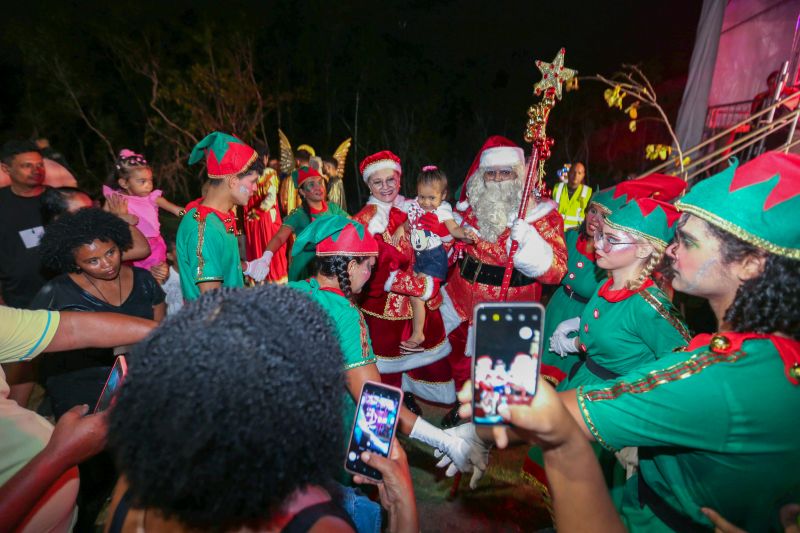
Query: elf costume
(301, 217)
(715, 424)
(206, 243)
(337, 235)
(583, 275)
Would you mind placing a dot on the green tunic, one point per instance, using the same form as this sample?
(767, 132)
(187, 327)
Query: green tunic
(714, 430)
(582, 277)
(206, 252)
(625, 334)
(351, 329)
(298, 220)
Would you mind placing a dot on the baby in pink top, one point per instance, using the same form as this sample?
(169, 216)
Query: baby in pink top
(133, 179)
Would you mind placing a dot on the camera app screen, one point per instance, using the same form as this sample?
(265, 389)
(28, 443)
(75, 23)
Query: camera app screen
(507, 350)
(374, 426)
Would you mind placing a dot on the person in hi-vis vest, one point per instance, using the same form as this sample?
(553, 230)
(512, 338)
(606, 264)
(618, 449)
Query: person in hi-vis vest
(573, 196)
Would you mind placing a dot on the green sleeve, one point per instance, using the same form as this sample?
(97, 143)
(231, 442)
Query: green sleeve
(296, 219)
(211, 252)
(659, 405)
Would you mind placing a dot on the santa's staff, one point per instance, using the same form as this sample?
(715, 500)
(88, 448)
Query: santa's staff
(553, 75)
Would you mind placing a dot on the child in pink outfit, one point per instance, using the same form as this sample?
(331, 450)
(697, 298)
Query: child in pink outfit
(133, 179)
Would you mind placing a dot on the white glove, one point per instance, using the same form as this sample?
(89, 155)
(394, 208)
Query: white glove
(461, 447)
(560, 342)
(258, 269)
(521, 231)
(534, 255)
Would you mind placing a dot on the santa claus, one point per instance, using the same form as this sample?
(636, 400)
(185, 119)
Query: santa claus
(489, 204)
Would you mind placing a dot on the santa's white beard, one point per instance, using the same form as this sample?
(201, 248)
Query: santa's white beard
(494, 203)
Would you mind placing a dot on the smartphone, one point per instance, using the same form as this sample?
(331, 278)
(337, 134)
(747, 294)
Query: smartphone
(507, 348)
(114, 381)
(375, 422)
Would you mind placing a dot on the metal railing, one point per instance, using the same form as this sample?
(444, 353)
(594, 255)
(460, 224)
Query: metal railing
(752, 132)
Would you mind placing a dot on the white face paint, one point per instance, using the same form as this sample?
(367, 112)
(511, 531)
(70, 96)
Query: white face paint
(242, 189)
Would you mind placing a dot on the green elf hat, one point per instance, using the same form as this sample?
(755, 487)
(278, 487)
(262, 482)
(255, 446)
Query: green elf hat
(331, 235)
(225, 155)
(756, 202)
(300, 175)
(658, 186)
(646, 218)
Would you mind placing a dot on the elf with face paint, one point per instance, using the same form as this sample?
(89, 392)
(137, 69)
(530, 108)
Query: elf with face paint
(206, 245)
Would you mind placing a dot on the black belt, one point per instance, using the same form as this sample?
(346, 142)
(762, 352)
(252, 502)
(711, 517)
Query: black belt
(595, 368)
(474, 271)
(575, 296)
(664, 511)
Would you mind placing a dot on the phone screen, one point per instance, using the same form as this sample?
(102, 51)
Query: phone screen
(507, 350)
(115, 378)
(374, 426)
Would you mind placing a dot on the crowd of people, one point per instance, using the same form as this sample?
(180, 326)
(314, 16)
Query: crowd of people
(250, 332)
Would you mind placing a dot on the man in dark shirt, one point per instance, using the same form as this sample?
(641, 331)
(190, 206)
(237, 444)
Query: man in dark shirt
(20, 231)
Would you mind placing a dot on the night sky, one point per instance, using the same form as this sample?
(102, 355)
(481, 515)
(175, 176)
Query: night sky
(433, 79)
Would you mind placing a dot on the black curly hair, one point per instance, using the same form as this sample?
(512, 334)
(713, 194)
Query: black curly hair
(73, 230)
(336, 266)
(768, 303)
(223, 416)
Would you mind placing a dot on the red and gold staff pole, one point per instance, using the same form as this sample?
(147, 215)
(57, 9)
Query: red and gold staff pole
(553, 76)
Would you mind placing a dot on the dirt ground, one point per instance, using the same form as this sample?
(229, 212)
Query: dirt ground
(502, 502)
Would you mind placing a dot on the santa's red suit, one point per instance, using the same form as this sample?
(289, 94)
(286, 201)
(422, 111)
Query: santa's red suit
(387, 309)
(477, 276)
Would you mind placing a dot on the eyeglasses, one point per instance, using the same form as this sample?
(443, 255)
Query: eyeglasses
(380, 184)
(493, 174)
(605, 244)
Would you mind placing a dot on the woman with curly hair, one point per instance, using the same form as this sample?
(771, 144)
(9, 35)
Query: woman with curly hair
(628, 321)
(86, 248)
(225, 423)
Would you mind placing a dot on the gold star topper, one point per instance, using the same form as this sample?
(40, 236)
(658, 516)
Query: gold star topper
(553, 75)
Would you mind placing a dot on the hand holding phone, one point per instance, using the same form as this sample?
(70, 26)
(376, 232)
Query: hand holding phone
(507, 348)
(377, 415)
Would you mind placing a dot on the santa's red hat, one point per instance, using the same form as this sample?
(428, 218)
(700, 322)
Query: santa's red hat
(497, 151)
(379, 161)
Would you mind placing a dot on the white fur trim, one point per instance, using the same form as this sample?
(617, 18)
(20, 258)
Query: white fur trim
(469, 348)
(387, 287)
(381, 164)
(462, 205)
(502, 156)
(440, 392)
(403, 363)
(540, 210)
(450, 317)
(428, 289)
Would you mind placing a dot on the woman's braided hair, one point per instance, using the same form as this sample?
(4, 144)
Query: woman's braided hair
(649, 266)
(336, 265)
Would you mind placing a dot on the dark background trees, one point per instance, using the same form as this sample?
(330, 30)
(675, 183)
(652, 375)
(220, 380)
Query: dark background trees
(430, 80)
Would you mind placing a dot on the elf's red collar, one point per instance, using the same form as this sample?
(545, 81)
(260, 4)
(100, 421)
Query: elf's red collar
(583, 247)
(320, 210)
(203, 211)
(614, 296)
(334, 290)
(728, 342)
